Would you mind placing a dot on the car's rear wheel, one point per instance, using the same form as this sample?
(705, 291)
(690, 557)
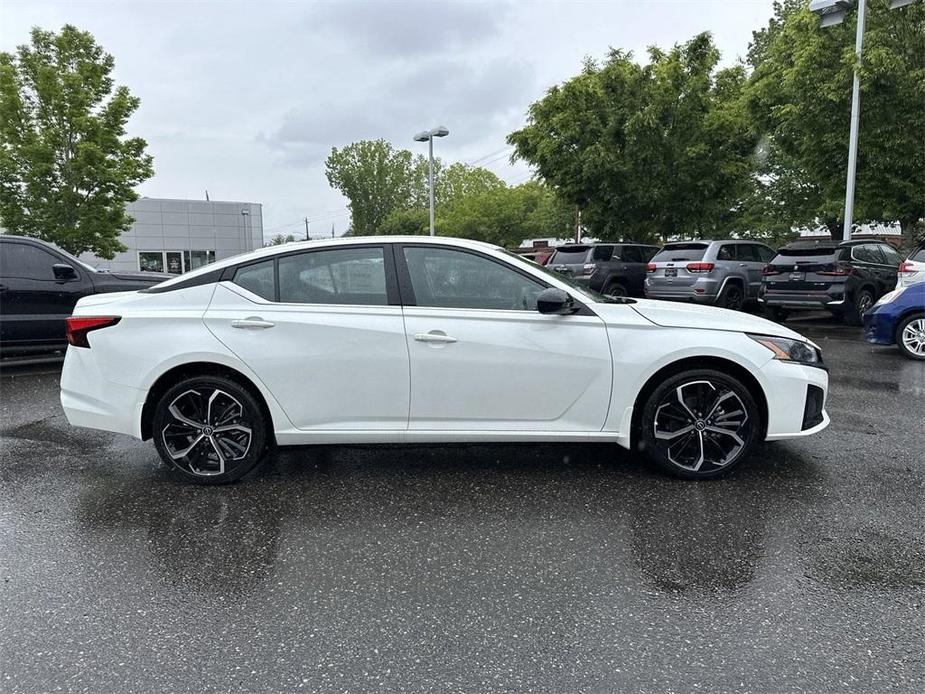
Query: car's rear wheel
(700, 424)
(910, 336)
(614, 288)
(863, 300)
(209, 430)
(732, 297)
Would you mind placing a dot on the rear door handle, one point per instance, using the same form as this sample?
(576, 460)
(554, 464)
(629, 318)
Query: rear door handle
(252, 322)
(435, 336)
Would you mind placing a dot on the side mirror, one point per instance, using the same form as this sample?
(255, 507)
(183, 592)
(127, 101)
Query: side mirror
(64, 272)
(554, 300)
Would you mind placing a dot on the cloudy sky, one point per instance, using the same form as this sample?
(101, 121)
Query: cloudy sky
(246, 99)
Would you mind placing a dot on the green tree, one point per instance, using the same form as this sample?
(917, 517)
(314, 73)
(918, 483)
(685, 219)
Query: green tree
(376, 179)
(407, 222)
(799, 95)
(458, 180)
(646, 151)
(280, 239)
(67, 168)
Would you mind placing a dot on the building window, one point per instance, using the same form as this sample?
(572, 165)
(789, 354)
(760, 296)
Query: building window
(151, 261)
(194, 259)
(175, 262)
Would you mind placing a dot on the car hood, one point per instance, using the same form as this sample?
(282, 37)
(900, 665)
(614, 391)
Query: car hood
(678, 315)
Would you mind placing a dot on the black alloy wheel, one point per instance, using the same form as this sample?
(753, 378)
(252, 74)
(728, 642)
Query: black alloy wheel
(700, 424)
(209, 430)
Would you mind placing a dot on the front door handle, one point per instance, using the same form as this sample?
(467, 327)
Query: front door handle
(435, 336)
(252, 322)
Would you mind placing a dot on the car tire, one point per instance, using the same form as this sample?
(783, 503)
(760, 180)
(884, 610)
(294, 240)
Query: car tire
(699, 424)
(863, 300)
(732, 297)
(209, 430)
(614, 288)
(776, 313)
(910, 336)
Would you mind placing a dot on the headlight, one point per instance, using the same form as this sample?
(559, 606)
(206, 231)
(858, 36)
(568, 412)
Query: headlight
(795, 351)
(890, 296)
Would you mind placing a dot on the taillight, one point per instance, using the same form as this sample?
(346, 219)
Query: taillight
(700, 267)
(770, 270)
(907, 269)
(77, 327)
(836, 270)
(589, 267)
(650, 267)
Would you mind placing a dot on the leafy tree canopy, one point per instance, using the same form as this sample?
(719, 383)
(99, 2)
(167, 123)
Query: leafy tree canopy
(800, 96)
(646, 151)
(67, 168)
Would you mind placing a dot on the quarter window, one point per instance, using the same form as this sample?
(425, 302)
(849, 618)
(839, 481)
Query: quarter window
(340, 276)
(747, 253)
(632, 254)
(891, 254)
(449, 278)
(726, 252)
(867, 253)
(259, 279)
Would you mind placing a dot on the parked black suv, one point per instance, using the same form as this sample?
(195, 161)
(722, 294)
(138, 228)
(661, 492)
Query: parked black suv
(846, 278)
(39, 285)
(613, 269)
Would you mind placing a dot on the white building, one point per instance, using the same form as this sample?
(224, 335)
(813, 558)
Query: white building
(180, 235)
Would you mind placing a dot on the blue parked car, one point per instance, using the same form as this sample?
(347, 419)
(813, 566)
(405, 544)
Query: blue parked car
(899, 318)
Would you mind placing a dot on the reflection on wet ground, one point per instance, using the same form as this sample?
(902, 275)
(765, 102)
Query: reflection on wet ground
(472, 567)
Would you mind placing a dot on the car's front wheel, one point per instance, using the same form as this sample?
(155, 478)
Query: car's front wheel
(209, 430)
(910, 336)
(700, 424)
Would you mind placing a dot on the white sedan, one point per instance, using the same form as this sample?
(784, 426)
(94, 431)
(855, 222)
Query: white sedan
(419, 339)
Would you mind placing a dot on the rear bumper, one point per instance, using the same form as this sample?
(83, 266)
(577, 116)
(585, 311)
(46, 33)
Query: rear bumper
(91, 400)
(829, 299)
(698, 293)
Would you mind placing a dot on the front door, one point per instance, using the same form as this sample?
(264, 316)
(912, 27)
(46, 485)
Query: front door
(482, 356)
(323, 330)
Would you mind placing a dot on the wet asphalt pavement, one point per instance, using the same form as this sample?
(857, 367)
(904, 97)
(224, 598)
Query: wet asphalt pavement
(472, 568)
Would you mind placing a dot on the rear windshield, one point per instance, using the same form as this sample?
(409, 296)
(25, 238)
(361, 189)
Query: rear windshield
(791, 256)
(570, 256)
(680, 251)
(919, 255)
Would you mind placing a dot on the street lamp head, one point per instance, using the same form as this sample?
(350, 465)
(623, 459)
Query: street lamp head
(830, 12)
(423, 136)
(439, 131)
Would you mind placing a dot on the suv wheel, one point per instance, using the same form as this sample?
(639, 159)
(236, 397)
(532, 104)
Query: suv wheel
(862, 301)
(209, 430)
(700, 424)
(614, 288)
(731, 297)
(910, 336)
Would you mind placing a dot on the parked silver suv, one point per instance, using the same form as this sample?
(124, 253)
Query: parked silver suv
(725, 273)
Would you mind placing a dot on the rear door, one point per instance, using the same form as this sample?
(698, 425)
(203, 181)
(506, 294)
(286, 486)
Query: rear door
(323, 330)
(34, 303)
(634, 268)
(477, 343)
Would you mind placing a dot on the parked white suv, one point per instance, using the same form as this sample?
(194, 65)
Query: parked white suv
(912, 269)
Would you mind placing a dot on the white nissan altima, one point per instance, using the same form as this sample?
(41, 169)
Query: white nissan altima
(420, 339)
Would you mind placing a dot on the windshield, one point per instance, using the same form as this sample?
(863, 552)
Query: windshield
(680, 251)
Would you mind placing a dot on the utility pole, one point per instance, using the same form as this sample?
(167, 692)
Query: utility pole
(577, 225)
(307, 236)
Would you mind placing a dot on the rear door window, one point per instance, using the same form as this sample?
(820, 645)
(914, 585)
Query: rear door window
(679, 252)
(891, 255)
(868, 253)
(354, 276)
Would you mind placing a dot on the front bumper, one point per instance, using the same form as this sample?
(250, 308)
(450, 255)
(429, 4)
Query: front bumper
(879, 326)
(795, 408)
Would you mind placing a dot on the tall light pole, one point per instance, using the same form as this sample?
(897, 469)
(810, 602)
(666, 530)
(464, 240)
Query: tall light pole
(247, 237)
(832, 12)
(428, 137)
